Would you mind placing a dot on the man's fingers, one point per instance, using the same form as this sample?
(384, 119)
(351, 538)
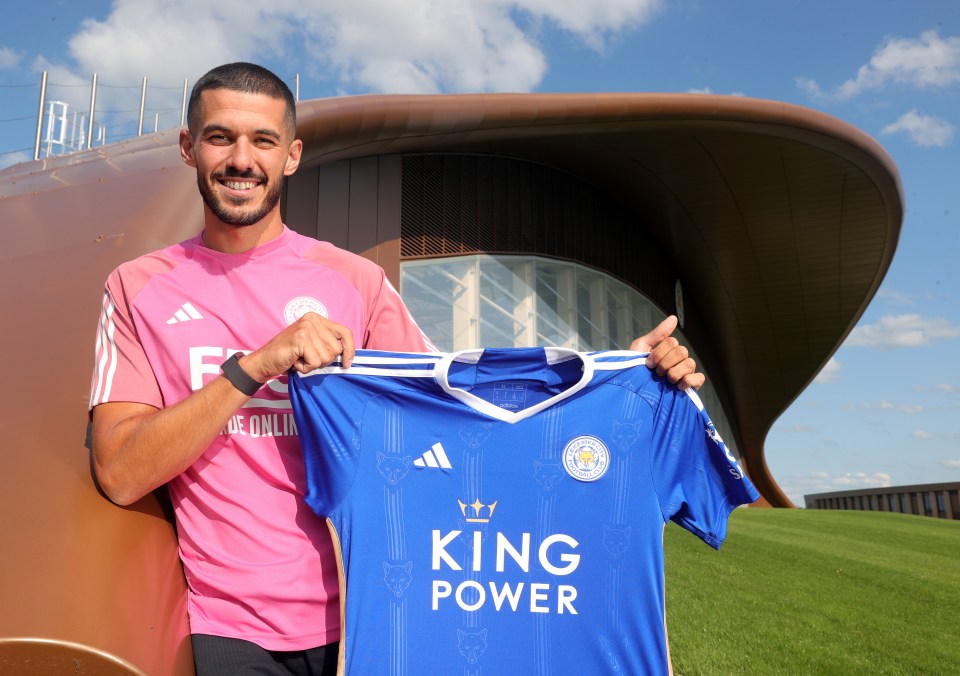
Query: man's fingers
(347, 348)
(679, 371)
(694, 380)
(309, 343)
(666, 355)
(323, 341)
(650, 340)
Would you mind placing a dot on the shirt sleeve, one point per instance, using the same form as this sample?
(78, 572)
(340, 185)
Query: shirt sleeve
(121, 370)
(698, 481)
(391, 326)
(325, 413)
(388, 324)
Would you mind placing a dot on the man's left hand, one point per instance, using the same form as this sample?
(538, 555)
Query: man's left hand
(668, 357)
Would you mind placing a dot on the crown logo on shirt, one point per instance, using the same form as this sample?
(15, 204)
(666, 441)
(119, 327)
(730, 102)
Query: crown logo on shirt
(478, 509)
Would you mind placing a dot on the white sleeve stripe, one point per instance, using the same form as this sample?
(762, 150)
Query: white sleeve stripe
(695, 398)
(362, 371)
(95, 382)
(619, 365)
(101, 352)
(113, 352)
(108, 353)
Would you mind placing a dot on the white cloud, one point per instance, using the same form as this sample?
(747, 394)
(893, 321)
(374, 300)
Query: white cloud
(417, 46)
(923, 130)
(830, 373)
(593, 22)
(426, 46)
(938, 388)
(810, 88)
(909, 409)
(824, 482)
(927, 62)
(909, 330)
(801, 428)
(9, 58)
(796, 428)
(860, 480)
(381, 46)
(921, 434)
(10, 159)
(707, 90)
(951, 464)
(895, 297)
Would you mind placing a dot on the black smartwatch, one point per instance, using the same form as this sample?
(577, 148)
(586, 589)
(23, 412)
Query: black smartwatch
(239, 378)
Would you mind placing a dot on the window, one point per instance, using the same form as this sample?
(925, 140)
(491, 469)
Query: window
(480, 300)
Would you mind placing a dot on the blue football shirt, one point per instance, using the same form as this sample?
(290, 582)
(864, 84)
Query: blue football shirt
(502, 510)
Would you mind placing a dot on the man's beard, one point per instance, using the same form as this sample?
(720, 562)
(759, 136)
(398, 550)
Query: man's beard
(221, 210)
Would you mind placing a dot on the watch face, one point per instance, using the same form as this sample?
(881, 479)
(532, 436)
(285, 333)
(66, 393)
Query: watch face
(678, 296)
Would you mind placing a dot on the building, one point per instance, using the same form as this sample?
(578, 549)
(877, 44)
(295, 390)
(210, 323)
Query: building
(503, 219)
(941, 501)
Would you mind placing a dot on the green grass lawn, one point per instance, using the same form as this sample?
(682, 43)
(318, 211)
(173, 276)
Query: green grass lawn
(816, 592)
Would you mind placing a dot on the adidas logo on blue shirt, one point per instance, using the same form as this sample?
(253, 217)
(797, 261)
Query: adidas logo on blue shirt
(435, 457)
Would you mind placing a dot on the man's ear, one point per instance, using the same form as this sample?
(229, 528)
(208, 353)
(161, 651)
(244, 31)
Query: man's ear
(186, 148)
(293, 157)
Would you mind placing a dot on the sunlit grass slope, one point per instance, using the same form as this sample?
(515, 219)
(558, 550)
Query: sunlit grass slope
(816, 592)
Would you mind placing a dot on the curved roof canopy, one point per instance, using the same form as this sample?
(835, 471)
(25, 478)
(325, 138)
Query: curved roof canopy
(781, 220)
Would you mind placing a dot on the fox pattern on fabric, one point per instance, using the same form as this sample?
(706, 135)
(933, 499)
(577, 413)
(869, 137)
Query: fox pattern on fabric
(608, 649)
(625, 433)
(466, 533)
(472, 644)
(547, 474)
(474, 435)
(616, 540)
(397, 576)
(392, 467)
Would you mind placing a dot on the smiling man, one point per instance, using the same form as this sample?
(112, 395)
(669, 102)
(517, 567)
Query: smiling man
(234, 164)
(189, 388)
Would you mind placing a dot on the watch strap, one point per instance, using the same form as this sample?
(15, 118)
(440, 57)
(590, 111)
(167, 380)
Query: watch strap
(239, 378)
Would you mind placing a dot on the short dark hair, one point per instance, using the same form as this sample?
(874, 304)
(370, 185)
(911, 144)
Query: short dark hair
(242, 77)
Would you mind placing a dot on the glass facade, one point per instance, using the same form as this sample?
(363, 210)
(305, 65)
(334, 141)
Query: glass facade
(523, 301)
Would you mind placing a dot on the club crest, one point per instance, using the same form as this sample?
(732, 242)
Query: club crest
(300, 306)
(586, 458)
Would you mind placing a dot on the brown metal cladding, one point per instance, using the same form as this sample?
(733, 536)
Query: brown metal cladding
(779, 220)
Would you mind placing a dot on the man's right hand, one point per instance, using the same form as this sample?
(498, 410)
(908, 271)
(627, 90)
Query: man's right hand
(137, 448)
(309, 343)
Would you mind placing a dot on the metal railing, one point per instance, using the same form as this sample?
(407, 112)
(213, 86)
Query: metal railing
(63, 127)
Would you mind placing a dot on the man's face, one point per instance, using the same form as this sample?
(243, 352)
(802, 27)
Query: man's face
(242, 151)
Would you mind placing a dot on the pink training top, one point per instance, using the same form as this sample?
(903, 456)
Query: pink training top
(259, 564)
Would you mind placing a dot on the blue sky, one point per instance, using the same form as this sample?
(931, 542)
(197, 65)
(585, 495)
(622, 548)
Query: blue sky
(886, 410)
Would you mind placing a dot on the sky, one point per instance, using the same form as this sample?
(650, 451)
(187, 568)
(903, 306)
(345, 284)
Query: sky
(885, 411)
